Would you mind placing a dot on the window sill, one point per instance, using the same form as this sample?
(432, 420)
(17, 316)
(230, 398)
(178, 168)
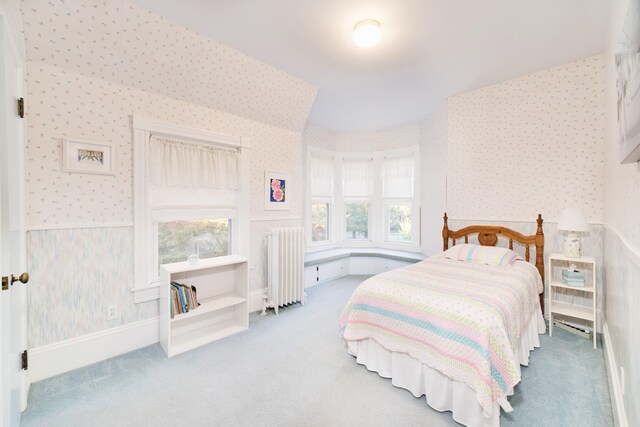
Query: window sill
(146, 293)
(322, 257)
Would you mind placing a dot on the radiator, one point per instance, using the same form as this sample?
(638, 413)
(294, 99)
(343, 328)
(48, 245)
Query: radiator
(285, 259)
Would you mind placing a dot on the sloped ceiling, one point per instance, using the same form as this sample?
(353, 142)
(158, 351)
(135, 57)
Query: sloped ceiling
(430, 49)
(123, 43)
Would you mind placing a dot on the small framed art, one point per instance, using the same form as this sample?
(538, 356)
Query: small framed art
(276, 194)
(80, 156)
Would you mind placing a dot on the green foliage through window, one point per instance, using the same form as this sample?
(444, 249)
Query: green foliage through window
(319, 222)
(357, 219)
(400, 223)
(206, 238)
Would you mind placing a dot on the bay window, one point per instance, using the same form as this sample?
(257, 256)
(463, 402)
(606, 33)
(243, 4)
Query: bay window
(363, 199)
(399, 193)
(321, 190)
(357, 184)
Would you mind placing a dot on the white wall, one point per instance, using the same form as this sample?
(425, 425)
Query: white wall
(80, 246)
(622, 239)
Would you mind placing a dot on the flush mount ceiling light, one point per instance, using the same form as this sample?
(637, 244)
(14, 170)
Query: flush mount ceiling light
(366, 33)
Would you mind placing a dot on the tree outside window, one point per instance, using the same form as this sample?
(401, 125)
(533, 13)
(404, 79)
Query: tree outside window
(357, 221)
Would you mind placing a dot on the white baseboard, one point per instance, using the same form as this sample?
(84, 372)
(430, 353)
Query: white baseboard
(50, 360)
(615, 386)
(64, 356)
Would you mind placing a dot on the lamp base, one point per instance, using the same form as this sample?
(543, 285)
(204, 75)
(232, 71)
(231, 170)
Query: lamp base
(572, 247)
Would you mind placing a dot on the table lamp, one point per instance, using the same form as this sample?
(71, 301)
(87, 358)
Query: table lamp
(573, 222)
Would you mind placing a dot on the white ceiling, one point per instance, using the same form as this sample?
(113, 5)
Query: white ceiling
(430, 49)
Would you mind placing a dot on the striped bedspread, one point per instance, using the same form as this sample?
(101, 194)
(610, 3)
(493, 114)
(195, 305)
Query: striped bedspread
(461, 318)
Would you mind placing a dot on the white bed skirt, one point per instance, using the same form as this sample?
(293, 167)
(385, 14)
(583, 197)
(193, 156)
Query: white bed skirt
(442, 393)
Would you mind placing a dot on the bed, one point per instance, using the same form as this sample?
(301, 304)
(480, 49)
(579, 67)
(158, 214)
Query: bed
(455, 327)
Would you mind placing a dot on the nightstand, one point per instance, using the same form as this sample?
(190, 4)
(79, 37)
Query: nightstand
(557, 262)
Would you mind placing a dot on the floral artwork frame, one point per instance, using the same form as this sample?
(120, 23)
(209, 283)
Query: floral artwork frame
(79, 156)
(277, 190)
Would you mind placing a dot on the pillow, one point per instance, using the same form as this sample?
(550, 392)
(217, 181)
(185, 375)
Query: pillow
(490, 255)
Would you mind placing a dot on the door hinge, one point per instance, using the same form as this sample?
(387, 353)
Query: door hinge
(25, 360)
(21, 108)
(5, 283)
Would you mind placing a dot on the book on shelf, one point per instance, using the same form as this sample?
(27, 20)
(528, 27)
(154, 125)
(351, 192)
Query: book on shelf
(573, 278)
(573, 274)
(183, 298)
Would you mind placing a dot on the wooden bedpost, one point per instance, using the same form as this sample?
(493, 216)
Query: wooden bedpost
(445, 234)
(540, 255)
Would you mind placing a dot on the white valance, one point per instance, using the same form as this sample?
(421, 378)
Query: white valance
(398, 177)
(321, 176)
(174, 163)
(357, 178)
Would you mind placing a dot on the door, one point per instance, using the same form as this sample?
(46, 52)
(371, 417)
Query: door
(13, 310)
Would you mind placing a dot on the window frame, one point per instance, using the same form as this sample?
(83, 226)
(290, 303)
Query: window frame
(146, 286)
(312, 199)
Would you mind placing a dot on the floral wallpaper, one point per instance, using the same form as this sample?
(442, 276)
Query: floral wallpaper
(13, 15)
(528, 145)
(122, 43)
(91, 66)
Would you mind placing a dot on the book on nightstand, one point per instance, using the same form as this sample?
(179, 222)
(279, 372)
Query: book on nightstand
(573, 278)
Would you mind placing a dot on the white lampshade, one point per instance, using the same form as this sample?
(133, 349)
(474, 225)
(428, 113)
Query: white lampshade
(366, 33)
(573, 219)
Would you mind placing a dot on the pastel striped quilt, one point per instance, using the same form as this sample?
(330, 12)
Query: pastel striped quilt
(461, 318)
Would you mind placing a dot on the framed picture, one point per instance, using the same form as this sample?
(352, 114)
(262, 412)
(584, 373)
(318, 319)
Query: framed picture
(276, 190)
(628, 85)
(80, 156)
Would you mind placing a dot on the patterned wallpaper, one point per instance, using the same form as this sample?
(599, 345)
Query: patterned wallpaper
(66, 103)
(75, 89)
(390, 139)
(122, 43)
(433, 150)
(530, 144)
(13, 14)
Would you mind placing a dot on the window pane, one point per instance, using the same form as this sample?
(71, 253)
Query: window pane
(206, 238)
(357, 221)
(319, 222)
(400, 223)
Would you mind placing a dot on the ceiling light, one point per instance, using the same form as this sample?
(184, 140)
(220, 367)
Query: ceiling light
(366, 33)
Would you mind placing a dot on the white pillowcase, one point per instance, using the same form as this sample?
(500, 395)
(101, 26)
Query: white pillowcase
(489, 255)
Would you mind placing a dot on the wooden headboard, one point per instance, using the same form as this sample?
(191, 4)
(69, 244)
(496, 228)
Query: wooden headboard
(488, 236)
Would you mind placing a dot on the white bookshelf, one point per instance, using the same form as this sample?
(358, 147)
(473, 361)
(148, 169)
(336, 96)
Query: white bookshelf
(588, 265)
(222, 289)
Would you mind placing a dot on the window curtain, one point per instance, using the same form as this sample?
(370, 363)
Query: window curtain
(188, 174)
(357, 178)
(321, 175)
(176, 163)
(398, 177)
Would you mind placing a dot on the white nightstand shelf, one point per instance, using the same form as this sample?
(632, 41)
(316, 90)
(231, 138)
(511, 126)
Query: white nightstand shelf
(557, 262)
